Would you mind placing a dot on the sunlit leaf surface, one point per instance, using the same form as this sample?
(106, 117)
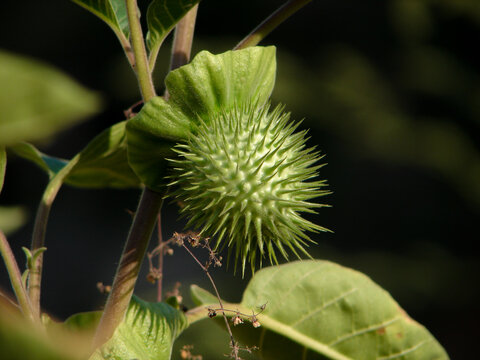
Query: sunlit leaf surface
(332, 311)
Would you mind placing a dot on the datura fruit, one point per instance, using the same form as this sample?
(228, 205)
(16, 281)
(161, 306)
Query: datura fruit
(244, 177)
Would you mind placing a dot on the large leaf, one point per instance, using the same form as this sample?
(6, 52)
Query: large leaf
(147, 333)
(112, 12)
(333, 311)
(36, 100)
(162, 16)
(103, 162)
(209, 84)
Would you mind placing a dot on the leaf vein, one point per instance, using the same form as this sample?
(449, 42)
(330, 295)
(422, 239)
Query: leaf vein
(364, 330)
(324, 306)
(406, 351)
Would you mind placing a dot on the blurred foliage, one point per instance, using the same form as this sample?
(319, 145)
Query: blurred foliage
(37, 100)
(20, 340)
(12, 218)
(379, 112)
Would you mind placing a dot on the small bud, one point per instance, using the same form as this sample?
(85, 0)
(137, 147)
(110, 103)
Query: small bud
(152, 278)
(237, 320)
(169, 251)
(256, 324)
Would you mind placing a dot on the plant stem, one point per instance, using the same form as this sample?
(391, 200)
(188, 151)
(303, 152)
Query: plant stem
(181, 51)
(233, 344)
(39, 231)
(147, 211)
(271, 22)
(182, 42)
(146, 214)
(183, 38)
(160, 257)
(129, 267)
(127, 48)
(141, 62)
(16, 280)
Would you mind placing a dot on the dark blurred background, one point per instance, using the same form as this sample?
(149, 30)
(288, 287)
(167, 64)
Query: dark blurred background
(391, 92)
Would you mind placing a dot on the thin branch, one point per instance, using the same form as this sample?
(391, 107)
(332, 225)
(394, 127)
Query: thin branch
(39, 231)
(127, 48)
(16, 280)
(233, 343)
(161, 253)
(141, 62)
(7, 299)
(182, 42)
(129, 267)
(271, 22)
(183, 38)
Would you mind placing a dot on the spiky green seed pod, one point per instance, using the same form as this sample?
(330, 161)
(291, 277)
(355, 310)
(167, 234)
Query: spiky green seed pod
(244, 178)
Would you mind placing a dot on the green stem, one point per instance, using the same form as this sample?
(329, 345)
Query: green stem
(147, 211)
(183, 38)
(39, 230)
(129, 267)
(16, 280)
(161, 253)
(182, 42)
(140, 52)
(146, 214)
(270, 23)
(127, 48)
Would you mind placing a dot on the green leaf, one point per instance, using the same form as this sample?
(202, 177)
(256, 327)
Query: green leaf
(112, 12)
(162, 16)
(19, 340)
(83, 322)
(333, 311)
(147, 333)
(3, 166)
(51, 165)
(103, 162)
(209, 84)
(37, 100)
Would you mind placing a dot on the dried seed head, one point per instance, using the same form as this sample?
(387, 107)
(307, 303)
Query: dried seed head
(245, 177)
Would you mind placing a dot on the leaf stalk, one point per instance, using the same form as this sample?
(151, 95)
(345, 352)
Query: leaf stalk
(271, 23)
(129, 267)
(39, 231)
(16, 281)
(140, 52)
